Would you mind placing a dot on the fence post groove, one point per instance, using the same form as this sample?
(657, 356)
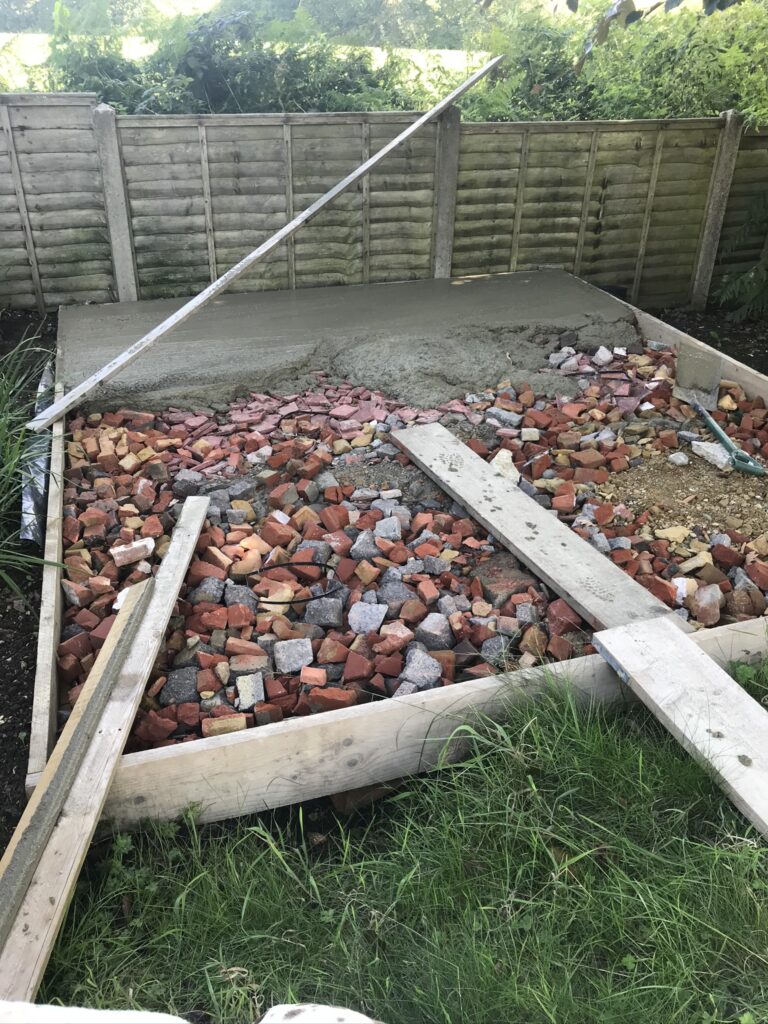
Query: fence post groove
(21, 202)
(717, 200)
(365, 150)
(522, 167)
(289, 205)
(205, 171)
(585, 202)
(115, 203)
(657, 154)
(446, 185)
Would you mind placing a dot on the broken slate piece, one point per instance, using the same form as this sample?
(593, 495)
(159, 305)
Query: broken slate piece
(713, 452)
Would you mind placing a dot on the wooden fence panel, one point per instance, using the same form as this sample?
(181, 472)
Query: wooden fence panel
(54, 238)
(626, 204)
(750, 183)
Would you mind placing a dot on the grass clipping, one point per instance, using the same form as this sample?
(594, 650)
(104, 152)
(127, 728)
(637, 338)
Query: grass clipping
(579, 867)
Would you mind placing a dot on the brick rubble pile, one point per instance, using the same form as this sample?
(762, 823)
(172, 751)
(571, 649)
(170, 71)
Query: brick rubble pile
(309, 593)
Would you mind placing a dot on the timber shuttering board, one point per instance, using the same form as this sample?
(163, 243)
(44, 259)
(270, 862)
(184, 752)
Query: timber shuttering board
(276, 765)
(620, 203)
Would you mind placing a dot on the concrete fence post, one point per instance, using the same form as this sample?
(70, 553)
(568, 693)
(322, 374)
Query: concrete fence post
(446, 183)
(717, 201)
(115, 203)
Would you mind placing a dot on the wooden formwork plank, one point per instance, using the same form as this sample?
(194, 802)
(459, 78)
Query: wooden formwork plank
(30, 939)
(303, 758)
(46, 691)
(710, 715)
(600, 591)
(41, 863)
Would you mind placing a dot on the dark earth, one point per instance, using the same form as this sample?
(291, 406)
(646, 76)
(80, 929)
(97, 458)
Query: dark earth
(747, 342)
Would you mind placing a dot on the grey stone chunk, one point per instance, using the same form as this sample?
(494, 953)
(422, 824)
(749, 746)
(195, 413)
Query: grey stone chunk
(325, 611)
(389, 529)
(435, 632)
(384, 505)
(678, 459)
(365, 494)
(292, 655)
(421, 669)
(209, 589)
(364, 546)
(740, 580)
(333, 672)
(496, 650)
(434, 566)
(250, 691)
(688, 435)
(407, 687)
(188, 655)
(326, 479)
(218, 641)
(181, 687)
(452, 603)
(216, 701)
(600, 541)
(527, 614)
(619, 543)
(219, 499)
(321, 548)
(366, 618)
(507, 419)
(242, 490)
(187, 483)
(235, 593)
(235, 516)
(394, 593)
(720, 538)
(413, 565)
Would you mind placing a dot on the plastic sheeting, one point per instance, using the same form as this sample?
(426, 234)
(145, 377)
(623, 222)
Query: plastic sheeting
(37, 453)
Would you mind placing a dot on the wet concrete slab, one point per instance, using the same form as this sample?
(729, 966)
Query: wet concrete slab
(424, 341)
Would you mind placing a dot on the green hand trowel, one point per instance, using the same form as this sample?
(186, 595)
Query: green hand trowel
(697, 382)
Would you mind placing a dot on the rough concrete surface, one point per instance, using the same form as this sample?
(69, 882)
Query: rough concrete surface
(423, 342)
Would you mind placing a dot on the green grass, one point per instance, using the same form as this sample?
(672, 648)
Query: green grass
(20, 370)
(578, 868)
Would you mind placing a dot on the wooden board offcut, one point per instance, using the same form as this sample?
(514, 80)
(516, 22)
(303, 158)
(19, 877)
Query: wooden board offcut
(716, 720)
(31, 937)
(599, 591)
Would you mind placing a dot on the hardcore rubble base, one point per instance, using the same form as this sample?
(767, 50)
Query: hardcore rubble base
(310, 592)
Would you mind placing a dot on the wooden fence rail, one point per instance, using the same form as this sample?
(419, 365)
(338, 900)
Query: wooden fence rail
(98, 207)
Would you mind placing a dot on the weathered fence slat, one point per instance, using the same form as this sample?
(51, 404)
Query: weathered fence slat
(115, 203)
(657, 153)
(717, 201)
(21, 199)
(207, 203)
(446, 181)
